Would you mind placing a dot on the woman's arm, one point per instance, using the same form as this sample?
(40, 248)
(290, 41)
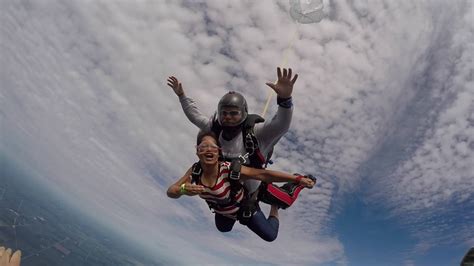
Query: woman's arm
(174, 191)
(270, 176)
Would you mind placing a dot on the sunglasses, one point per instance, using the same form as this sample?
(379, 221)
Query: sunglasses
(207, 147)
(230, 113)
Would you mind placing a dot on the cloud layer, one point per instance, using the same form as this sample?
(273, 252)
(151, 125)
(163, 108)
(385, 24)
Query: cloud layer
(384, 101)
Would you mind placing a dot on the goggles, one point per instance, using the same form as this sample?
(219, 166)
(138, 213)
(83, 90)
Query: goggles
(207, 147)
(230, 113)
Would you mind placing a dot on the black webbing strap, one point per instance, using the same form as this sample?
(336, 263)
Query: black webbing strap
(196, 173)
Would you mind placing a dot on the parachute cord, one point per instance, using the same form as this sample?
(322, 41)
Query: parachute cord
(283, 64)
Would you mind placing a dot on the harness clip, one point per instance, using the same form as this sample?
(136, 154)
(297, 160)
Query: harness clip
(247, 214)
(234, 175)
(235, 167)
(197, 171)
(243, 159)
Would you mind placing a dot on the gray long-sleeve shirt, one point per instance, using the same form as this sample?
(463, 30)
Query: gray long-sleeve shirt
(267, 133)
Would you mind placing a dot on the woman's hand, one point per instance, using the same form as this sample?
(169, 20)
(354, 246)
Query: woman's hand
(307, 182)
(192, 189)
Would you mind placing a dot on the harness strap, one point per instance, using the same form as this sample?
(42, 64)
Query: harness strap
(234, 179)
(253, 156)
(248, 208)
(196, 173)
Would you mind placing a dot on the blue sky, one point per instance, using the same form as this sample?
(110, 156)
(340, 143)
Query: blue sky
(384, 107)
(370, 238)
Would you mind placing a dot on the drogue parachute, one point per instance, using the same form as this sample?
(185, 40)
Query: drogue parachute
(306, 11)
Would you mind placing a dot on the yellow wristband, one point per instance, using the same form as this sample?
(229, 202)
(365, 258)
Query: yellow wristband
(182, 188)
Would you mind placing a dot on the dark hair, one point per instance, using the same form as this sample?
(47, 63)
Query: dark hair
(203, 134)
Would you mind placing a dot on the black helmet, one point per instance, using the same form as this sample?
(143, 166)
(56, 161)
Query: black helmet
(233, 99)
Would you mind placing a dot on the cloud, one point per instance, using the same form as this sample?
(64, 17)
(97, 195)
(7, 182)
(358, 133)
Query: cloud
(85, 107)
(423, 169)
(382, 101)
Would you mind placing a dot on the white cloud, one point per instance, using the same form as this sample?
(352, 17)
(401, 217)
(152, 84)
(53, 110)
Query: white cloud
(385, 90)
(431, 175)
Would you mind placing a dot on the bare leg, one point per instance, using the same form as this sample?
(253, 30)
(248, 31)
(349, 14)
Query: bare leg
(274, 211)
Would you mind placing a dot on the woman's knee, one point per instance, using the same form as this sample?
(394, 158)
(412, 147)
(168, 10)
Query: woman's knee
(270, 237)
(273, 226)
(267, 229)
(224, 227)
(224, 224)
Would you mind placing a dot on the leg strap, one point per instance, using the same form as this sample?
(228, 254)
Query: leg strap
(248, 208)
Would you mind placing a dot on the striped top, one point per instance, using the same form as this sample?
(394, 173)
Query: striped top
(219, 193)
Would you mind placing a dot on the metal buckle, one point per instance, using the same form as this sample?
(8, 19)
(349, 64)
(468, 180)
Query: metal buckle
(244, 214)
(243, 159)
(234, 175)
(197, 173)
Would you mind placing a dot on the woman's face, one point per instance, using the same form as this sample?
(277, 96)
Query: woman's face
(208, 151)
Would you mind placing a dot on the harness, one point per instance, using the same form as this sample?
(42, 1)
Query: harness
(247, 207)
(253, 156)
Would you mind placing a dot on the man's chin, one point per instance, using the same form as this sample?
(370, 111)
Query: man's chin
(229, 124)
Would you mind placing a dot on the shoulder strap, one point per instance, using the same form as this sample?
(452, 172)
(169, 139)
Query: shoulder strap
(252, 119)
(196, 173)
(234, 178)
(235, 167)
(235, 185)
(216, 127)
(251, 145)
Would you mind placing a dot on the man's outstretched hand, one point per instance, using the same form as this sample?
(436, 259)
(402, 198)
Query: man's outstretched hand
(174, 83)
(284, 85)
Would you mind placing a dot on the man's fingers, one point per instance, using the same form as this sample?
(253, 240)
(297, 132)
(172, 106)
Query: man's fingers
(284, 73)
(310, 183)
(278, 72)
(289, 73)
(271, 85)
(294, 79)
(172, 80)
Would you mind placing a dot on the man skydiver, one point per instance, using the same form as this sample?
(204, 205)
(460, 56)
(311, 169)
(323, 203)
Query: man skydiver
(243, 136)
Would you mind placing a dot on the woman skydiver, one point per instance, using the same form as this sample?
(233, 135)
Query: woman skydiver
(215, 182)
